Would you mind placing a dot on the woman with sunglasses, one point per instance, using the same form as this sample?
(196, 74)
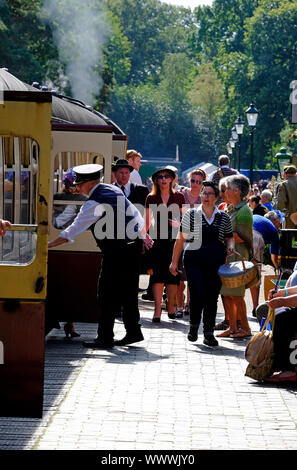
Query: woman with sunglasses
(205, 235)
(164, 206)
(192, 194)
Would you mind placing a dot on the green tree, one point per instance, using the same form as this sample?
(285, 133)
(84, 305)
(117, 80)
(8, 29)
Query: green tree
(208, 103)
(153, 29)
(271, 45)
(25, 43)
(159, 117)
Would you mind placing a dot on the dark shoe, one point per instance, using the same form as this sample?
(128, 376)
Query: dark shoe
(278, 377)
(254, 312)
(156, 319)
(129, 339)
(179, 314)
(70, 332)
(223, 325)
(210, 340)
(98, 344)
(147, 297)
(193, 334)
(172, 316)
(186, 310)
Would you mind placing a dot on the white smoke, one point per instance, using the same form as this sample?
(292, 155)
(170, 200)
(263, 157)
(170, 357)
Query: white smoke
(80, 29)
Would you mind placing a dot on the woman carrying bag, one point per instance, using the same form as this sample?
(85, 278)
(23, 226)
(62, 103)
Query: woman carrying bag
(237, 190)
(205, 236)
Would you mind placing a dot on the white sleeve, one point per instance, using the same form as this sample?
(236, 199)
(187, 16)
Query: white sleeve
(89, 213)
(135, 177)
(67, 215)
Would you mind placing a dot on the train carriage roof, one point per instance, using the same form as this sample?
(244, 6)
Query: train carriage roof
(65, 110)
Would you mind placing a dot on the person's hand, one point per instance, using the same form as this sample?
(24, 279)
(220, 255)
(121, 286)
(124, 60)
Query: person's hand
(273, 294)
(3, 226)
(174, 222)
(276, 302)
(148, 241)
(230, 250)
(173, 269)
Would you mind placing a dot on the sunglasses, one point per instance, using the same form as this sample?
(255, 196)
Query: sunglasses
(207, 194)
(196, 181)
(161, 177)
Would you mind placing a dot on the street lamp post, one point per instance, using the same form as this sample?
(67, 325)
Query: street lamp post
(229, 149)
(234, 138)
(232, 145)
(252, 116)
(239, 130)
(283, 158)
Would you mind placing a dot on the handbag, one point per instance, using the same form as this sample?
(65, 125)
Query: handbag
(259, 352)
(238, 273)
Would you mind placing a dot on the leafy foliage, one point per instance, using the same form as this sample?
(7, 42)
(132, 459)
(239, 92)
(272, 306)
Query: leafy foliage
(170, 76)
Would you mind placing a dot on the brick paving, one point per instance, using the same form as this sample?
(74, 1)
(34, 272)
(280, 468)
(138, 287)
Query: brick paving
(161, 394)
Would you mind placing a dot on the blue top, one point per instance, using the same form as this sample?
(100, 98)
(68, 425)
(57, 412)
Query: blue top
(268, 205)
(268, 231)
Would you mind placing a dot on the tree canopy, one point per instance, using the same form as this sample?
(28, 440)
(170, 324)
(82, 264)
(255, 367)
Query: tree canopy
(168, 76)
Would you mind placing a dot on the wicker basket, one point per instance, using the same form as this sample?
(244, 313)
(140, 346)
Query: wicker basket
(237, 273)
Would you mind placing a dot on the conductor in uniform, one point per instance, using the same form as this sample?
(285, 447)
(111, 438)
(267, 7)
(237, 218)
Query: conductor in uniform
(116, 225)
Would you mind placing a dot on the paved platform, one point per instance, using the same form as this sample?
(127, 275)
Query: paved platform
(161, 394)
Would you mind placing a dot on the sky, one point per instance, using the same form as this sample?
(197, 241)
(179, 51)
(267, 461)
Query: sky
(189, 3)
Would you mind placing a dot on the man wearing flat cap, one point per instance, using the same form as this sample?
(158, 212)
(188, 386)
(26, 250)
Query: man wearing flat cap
(116, 225)
(287, 196)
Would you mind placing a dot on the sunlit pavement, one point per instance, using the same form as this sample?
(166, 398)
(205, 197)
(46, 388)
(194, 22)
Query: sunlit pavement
(162, 393)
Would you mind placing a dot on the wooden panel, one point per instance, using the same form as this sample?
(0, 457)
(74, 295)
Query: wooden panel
(268, 284)
(72, 287)
(22, 371)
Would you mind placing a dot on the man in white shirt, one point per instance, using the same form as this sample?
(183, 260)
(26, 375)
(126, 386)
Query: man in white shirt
(134, 159)
(107, 204)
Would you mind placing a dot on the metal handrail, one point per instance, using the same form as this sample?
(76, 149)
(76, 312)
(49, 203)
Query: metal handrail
(22, 228)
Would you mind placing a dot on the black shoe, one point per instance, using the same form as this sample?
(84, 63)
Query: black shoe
(70, 332)
(171, 316)
(254, 312)
(156, 320)
(147, 297)
(129, 339)
(98, 344)
(179, 314)
(193, 334)
(210, 340)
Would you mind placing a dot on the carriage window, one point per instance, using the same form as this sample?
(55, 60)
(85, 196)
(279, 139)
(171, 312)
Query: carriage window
(67, 203)
(18, 198)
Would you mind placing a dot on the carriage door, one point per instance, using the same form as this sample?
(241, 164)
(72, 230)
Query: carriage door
(25, 119)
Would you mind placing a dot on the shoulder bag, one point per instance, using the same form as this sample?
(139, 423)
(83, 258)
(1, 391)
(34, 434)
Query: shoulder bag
(259, 352)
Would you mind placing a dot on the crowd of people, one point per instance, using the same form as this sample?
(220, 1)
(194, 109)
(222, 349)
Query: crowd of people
(180, 235)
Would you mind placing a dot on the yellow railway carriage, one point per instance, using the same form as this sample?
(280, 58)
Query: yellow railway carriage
(42, 136)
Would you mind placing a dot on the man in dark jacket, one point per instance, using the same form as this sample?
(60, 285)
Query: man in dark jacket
(223, 170)
(119, 243)
(136, 193)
